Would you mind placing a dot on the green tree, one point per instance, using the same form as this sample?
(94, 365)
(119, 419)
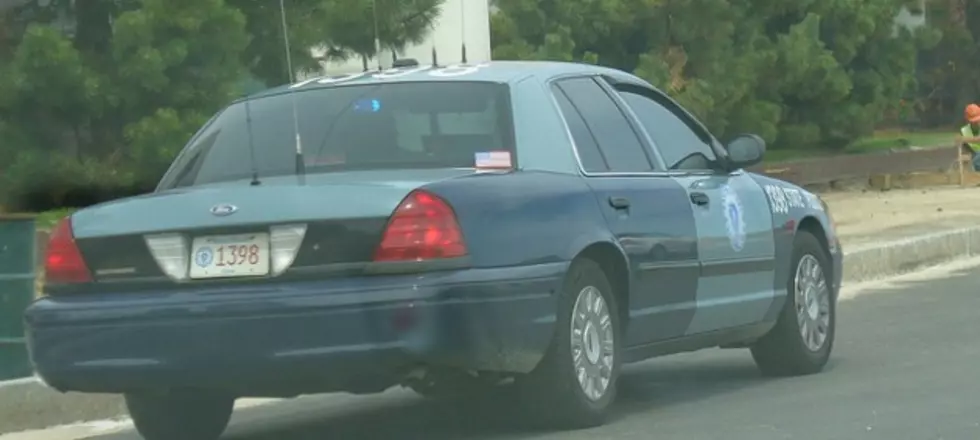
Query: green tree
(265, 55)
(353, 25)
(119, 82)
(176, 63)
(48, 93)
(610, 32)
(949, 77)
(180, 54)
(798, 73)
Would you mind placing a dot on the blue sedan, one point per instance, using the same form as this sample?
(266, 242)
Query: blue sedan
(530, 225)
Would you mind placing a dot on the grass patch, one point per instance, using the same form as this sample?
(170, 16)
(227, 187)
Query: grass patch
(881, 140)
(48, 219)
(884, 140)
(773, 156)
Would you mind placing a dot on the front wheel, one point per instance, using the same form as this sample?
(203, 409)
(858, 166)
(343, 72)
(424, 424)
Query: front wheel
(180, 415)
(575, 383)
(803, 337)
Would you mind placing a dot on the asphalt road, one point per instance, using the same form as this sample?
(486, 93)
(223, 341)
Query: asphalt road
(904, 367)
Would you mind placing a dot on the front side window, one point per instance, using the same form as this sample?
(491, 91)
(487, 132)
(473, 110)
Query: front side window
(361, 127)
(679, 144)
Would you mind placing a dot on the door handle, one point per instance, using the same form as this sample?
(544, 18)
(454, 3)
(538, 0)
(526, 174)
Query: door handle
(699, 198)
(619, 202)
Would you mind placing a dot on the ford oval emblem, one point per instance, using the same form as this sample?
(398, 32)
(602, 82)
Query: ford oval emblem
(223, 210)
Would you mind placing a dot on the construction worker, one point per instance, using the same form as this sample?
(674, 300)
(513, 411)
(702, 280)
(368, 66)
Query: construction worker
(970, 134)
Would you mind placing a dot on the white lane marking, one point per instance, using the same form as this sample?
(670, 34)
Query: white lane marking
(76, 431)
(19, 382)
(851, 291)
(71, 432)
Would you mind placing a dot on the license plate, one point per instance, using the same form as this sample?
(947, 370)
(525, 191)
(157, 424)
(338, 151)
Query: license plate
(223, 256)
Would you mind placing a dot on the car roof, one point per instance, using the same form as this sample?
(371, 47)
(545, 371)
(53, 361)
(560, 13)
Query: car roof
(504, 72)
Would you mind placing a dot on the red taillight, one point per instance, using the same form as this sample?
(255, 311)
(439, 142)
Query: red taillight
(64, 263)
(423, 227)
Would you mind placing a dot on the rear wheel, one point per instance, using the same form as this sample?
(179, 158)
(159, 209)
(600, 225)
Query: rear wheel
(575, 383)
(802, 339)
(180, 415)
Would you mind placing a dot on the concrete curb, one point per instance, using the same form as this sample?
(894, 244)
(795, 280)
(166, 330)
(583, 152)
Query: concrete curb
(878, 260)
(27, 404)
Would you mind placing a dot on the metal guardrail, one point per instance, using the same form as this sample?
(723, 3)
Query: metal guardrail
(857, 166)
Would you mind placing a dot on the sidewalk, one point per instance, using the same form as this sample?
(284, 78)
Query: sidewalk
(26, 405)
(888, 233)
(882, 234)
(872, 217)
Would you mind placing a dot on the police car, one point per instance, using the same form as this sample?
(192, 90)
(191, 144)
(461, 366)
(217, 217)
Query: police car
(530, 225)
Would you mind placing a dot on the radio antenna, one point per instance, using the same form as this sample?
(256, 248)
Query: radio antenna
(462, 26)
(377, 35)
(251, 142)
(435, 56)
(300, 163)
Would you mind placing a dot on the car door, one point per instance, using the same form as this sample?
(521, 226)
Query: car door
(647, 211)
(734, 224)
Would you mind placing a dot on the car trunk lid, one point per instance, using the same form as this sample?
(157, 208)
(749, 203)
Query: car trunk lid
(344, 213)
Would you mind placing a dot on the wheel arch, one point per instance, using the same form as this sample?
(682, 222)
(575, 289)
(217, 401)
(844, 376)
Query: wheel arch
(615, 265)
(812, 225)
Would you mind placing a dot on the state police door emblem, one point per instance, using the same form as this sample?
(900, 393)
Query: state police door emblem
(734, 220)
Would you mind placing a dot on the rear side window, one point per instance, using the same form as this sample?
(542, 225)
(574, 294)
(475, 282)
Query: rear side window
(606, 124)
(585, 144)
(369, 126)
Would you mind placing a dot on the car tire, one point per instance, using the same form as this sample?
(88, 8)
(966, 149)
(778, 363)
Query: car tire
(552, 393)
(179, 415)
(809, 314)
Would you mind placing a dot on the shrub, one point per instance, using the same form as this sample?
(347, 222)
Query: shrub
(35, 182)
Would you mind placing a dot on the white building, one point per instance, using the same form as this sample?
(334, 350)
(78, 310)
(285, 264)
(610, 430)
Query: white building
(461, 21)
(912, 19)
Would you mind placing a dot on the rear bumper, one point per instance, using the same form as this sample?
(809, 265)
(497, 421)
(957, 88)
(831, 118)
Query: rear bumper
(287, 339)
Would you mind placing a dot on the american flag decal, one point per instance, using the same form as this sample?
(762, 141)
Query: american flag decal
(493, 159)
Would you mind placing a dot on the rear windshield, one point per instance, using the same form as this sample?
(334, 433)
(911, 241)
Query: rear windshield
(361, 127)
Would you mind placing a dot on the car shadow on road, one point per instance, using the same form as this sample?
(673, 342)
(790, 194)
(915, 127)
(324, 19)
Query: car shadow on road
(688, 378)
(644, 388)
(650, 386)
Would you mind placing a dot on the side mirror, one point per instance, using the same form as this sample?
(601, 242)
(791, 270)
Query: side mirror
(745, 150)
